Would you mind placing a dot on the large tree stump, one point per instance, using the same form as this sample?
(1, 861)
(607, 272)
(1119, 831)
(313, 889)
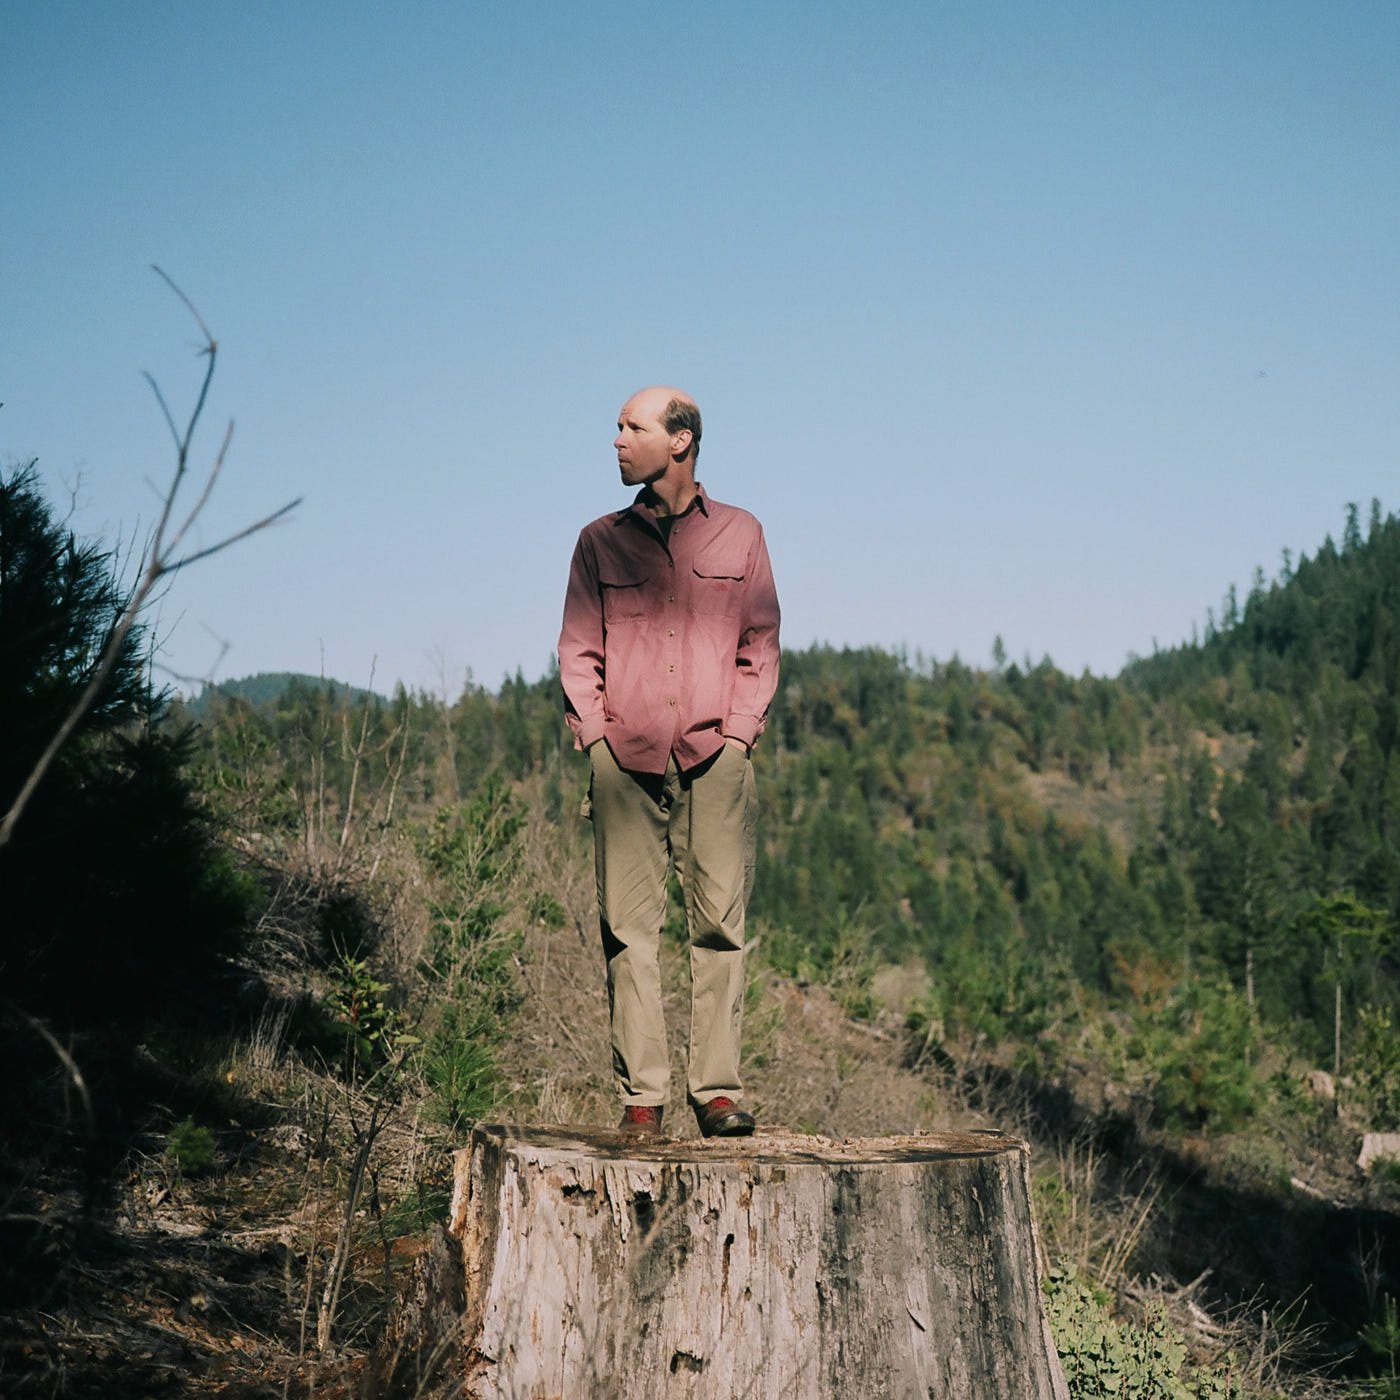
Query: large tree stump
(776, 1267)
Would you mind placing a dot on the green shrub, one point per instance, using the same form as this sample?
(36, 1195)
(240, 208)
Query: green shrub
(1254, 1161)
(1108, 1360)
(1385, 1176)
(1375, 1066)
(459, 1064)
(425, 1206)
(472, 853)
(119, 905)
(374, 1030)
(1382, 1339)
(1205, 1075)
(191, 1148)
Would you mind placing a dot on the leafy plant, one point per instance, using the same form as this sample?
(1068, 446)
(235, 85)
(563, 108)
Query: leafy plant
(472, 852)
(191, 1148)
(1375, 1065)
(1107, 1360)
(375, 1029)
(425, 1205)
(1382, 1339)
(461, 1070)
(1206, 1077)
(1385, 1176)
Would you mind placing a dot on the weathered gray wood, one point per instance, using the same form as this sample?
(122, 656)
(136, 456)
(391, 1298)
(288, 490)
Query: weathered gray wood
(779, 1267)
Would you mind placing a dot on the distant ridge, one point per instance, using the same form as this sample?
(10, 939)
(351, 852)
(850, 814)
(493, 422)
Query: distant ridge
(268, 687)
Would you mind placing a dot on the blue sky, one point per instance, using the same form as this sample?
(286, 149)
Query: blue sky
(1045, 321)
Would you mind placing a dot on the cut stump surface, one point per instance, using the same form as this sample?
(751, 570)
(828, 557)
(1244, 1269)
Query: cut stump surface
(773, 1266)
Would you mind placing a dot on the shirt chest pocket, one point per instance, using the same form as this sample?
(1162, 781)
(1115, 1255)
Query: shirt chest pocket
(624, 596)
(719, 584)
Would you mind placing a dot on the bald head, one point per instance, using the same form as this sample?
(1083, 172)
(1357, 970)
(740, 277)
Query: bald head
(673, 408)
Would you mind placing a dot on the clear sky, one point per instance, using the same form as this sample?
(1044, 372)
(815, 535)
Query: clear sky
(1040, 320)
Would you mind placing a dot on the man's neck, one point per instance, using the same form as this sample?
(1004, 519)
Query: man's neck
(669, 497)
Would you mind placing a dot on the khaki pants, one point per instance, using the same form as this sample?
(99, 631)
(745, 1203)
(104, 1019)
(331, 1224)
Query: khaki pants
(705, 821)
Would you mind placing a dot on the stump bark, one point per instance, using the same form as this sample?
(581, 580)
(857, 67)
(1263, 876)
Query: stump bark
(779, 1267)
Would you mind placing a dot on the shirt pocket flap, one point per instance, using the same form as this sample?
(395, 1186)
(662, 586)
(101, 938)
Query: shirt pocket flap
(624, 593)
(720, 563)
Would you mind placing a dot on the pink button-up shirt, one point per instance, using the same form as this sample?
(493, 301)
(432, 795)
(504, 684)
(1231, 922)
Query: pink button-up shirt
(669, 645)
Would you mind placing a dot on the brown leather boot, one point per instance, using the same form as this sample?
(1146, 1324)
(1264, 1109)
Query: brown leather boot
(723, 1117)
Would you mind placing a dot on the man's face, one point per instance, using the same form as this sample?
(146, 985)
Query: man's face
(644, 447)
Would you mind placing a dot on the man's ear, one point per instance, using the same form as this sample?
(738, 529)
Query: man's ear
(680, 442)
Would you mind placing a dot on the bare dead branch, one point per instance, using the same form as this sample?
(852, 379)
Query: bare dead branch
(204, 495)
(164, 409)
(189, 305)
(393, 792)
(359, 758)
(253, 529)
(162, 558)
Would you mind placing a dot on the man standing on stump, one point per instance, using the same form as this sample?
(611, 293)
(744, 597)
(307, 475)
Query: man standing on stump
(669, 659)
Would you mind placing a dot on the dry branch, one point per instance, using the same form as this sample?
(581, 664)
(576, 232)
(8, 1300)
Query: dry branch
(162, 558)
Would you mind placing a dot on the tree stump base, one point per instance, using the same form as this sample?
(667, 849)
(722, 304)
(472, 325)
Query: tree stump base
(780, 1266)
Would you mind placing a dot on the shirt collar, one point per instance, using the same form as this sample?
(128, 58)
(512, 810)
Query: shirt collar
(700, 499)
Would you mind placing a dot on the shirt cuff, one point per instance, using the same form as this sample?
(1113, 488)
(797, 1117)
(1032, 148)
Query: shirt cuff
(742, 727)
(589, 731)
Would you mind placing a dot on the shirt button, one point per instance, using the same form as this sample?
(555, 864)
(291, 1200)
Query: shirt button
(670, 563)
(670, 668)
(670, 631)
(670, 702)
(671, 598)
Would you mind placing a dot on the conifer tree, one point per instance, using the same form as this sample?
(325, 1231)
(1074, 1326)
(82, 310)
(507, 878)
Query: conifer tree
(112, 894)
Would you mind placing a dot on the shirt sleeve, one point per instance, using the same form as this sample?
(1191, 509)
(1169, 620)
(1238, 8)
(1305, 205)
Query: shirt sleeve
(581, 649)
(756, 659)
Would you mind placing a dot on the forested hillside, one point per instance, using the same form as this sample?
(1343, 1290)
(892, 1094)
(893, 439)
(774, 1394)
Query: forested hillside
(1156, 901)
(1212, 834)
(270, 688)
(1206, 842)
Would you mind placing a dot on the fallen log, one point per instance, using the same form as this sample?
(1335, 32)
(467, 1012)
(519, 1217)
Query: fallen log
(599, 1265)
